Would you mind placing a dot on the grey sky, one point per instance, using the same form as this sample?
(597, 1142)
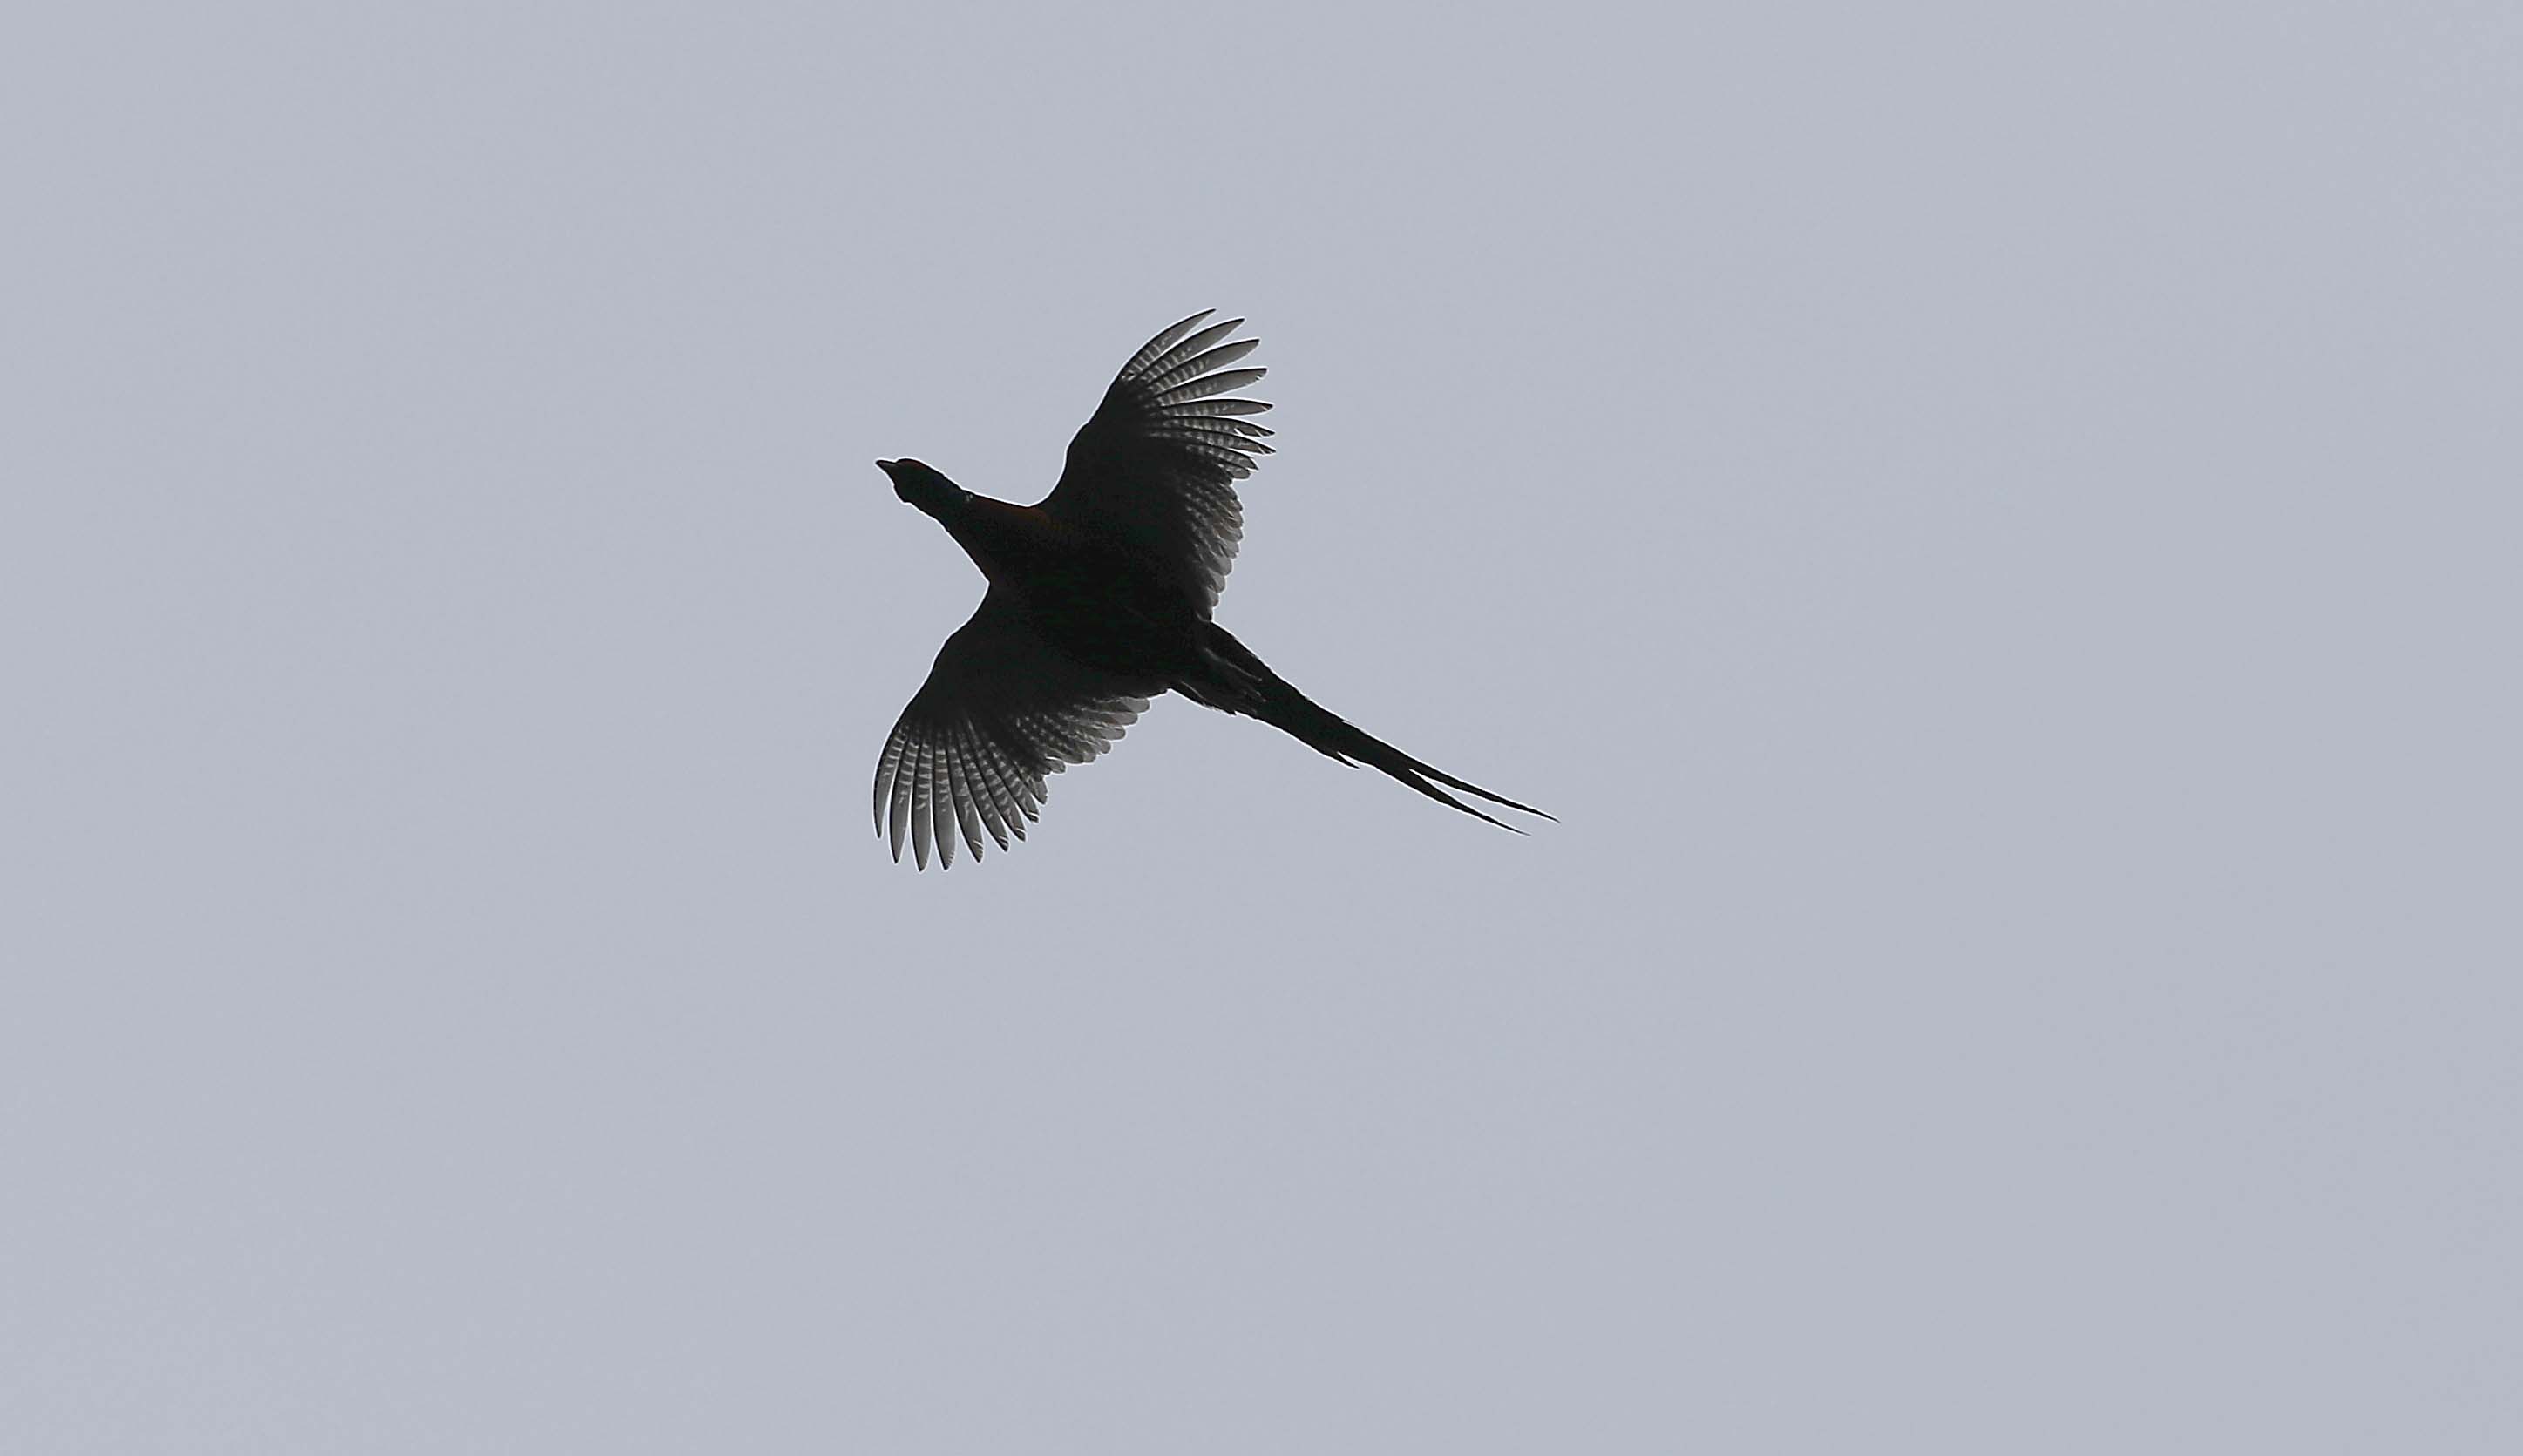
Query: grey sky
(1993, 525)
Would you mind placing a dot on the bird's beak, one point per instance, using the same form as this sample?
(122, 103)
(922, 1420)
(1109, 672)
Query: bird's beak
(887, 465)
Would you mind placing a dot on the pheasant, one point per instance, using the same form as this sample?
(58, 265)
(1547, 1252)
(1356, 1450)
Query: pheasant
(1100, 600)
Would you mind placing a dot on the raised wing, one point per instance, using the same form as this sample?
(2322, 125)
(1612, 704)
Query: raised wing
(1000, 710)
(1156, 465)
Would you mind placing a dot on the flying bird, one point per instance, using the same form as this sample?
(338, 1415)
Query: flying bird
(1100, 600)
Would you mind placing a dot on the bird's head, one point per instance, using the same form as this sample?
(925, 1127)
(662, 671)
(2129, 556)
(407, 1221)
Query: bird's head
(923, 486)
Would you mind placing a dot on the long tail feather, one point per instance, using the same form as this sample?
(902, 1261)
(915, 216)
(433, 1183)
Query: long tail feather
(1246, 685)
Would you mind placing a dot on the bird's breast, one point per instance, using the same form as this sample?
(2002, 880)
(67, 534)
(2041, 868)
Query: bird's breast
(1093, 599)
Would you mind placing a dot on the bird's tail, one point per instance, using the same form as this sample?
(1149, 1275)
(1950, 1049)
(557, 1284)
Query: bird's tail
(1235, 681)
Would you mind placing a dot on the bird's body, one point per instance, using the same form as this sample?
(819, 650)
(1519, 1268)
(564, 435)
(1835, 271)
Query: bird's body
(1100, 600)
(1093, 600)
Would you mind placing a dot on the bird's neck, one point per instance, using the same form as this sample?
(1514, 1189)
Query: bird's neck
(1003, 539)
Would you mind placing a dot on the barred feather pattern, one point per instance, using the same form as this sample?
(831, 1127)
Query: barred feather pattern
(968, 760)
(1156, 466)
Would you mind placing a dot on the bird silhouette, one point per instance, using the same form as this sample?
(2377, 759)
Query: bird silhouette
(1099, 600)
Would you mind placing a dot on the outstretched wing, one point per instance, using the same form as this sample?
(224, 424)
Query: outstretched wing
(999, 711)
(1156, 465)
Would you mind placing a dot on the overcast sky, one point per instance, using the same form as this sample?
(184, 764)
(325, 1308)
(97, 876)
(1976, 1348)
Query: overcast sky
(1993, 525)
